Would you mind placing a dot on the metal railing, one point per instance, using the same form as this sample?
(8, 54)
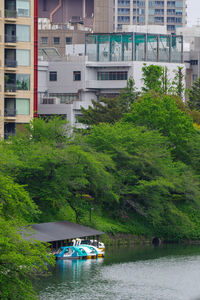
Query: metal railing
(10, 112)
(10, 38)
(10, 63)
(10, 87)
(10, 13)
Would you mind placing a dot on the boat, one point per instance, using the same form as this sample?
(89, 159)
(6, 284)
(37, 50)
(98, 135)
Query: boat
(95, 243)
(99, 252)
(92, 252)
(71, 252)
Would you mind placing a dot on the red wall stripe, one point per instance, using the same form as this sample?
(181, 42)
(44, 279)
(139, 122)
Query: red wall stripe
(35, 105)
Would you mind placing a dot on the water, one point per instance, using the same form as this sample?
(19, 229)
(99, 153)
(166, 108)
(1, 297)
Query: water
(141, 273)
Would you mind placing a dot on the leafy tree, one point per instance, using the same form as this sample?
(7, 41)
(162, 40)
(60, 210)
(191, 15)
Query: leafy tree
(152, 78)
(194, 96)
(178, 82)
(161, 113)
(20, 260)
(146, 178)
(57, 171)
(110, 110)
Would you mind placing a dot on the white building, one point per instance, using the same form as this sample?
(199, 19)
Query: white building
(110, 59)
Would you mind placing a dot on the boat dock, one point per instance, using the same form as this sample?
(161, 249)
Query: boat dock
(60, 234)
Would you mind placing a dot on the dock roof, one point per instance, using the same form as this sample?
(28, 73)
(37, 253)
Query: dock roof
(59, 231)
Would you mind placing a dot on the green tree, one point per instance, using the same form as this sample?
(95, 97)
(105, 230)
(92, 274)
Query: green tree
(160, 112)
(57, 171)
(147, 180)
(178, 83)
(110, 110)
(20, 260)
(152, 78)
(194, 96)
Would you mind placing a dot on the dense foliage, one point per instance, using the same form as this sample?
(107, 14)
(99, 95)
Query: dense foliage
(137, 169)
(20, 260)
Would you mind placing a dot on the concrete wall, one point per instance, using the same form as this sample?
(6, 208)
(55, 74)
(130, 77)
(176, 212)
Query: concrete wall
(103, 16)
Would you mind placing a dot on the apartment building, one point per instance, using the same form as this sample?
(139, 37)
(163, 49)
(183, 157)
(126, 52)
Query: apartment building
(145, 12)
(18, 64)
(102, 70)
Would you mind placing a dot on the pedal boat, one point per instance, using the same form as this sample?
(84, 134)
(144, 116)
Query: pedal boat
(71, 252)
(92, 251)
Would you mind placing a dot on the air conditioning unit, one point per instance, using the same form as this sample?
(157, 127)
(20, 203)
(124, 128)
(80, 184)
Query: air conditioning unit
(50, 100)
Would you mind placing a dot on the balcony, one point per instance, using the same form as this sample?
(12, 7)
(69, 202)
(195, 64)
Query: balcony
(10, 38)
(10, 63)
(11, 112)
(10, 14)
(10, 87)
(105, 84)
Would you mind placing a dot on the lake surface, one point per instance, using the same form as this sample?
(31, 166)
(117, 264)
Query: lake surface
(169, 272)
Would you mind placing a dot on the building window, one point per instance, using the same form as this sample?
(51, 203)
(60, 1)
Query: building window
(194, 62)
(44, 40)
(23, 33)
(112, 75)
(65, 97)
(77, 75)
(23, 82)
(56, 40)
(22, 106)
(68, 40)
(23, 57)
(53, 76)
(23, 8)
(194, 77)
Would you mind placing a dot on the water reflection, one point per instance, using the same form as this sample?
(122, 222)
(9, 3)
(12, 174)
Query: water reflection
(161, 273)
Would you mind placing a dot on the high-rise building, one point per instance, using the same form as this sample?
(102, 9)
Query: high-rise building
(145, 12)
(18, 64)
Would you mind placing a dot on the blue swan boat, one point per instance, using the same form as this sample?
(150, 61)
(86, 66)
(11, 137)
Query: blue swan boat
(71, 252)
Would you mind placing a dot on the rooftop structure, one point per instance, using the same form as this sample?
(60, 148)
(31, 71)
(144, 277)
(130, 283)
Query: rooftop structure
(134, 47)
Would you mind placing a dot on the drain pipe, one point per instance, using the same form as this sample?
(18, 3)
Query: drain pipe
(55, 10)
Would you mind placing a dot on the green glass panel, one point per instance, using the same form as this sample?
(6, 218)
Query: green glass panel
(103, 39)
(23, 106)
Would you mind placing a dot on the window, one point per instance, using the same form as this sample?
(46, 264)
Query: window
(68, 40)
(53, 76)
(77, 75)
(112, 75)
(15, 82)
(65, 97)
(23, 8)
(44, 40)
(22, 106)
(56, 40)
(194, 77)
(23, 33)
(194, 62)
(23, 82)
(23, 57)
